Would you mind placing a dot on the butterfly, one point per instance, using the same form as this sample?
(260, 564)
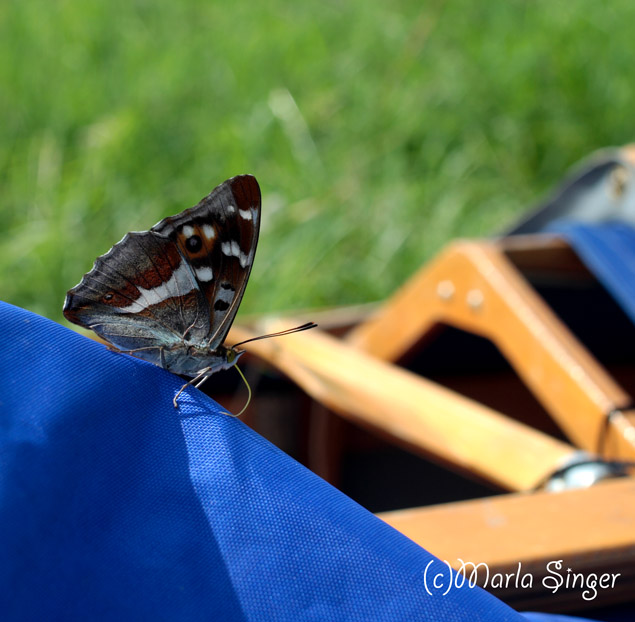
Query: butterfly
(169, 295)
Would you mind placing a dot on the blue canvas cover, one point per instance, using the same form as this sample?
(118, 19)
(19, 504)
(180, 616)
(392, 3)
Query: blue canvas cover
(608, 251)
(116, 506)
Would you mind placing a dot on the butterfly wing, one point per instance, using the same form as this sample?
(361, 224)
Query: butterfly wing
(218, 238)
(141, 294)
(182, 281)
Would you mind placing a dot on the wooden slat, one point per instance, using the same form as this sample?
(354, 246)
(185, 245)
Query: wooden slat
(473, 286)
(592, 530)
(415, 411)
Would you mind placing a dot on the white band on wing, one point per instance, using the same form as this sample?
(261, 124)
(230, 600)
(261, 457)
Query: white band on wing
(179, 284)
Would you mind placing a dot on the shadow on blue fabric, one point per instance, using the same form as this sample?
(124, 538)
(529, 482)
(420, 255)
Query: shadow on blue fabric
(116, 506)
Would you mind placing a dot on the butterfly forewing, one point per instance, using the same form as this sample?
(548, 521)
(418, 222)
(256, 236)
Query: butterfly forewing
(218, 238)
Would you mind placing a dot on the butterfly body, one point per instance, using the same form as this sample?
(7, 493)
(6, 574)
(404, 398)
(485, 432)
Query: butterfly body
(188, 360)
(169, 295)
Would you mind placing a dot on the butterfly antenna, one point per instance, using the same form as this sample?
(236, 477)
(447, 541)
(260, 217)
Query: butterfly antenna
(244, 408)
(288, 331)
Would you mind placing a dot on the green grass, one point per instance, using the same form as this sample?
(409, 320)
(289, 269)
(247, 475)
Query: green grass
(378, 131)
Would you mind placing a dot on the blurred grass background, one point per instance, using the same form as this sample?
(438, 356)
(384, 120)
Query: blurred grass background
(377, 131)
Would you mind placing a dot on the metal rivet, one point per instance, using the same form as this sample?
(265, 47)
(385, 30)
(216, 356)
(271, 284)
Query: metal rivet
(445, 290)
(475, 299)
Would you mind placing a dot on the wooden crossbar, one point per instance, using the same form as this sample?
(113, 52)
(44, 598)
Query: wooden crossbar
(591, 530)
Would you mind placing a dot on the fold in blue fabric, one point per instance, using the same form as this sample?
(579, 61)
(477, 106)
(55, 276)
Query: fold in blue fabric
(116, 506)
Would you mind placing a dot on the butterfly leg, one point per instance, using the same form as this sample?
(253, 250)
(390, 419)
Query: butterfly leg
(203, 379)
(197, 381)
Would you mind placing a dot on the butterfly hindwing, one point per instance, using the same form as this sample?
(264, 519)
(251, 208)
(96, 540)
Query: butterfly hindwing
(218, 239)
(141, 294)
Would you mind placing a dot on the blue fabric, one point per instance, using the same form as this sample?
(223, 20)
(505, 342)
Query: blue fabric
(608, 250)
(116, 506)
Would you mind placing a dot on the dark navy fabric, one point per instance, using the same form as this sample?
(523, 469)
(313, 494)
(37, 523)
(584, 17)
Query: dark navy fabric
(554, 617)
(116, 506)
(608, 250)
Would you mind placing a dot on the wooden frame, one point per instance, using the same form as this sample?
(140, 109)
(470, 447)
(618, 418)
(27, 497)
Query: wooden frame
(476, 287)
